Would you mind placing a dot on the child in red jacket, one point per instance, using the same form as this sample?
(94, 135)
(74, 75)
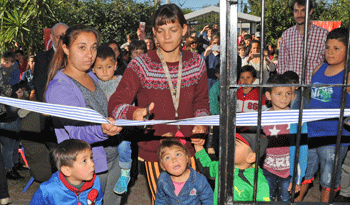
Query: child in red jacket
(248, 97)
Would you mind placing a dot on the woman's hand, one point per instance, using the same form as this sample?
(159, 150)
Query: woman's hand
(208, 50)
(141, 34)
(250, 57)
(199, 129)
(267, 61)
(140, 113)
(109, 128)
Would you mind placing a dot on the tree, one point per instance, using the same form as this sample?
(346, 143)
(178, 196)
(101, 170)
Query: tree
(279, 16)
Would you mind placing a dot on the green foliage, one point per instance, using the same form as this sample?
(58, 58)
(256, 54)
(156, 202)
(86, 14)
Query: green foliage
(22, 21)
(279, 16)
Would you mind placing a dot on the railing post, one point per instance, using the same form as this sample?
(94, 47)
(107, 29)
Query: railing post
(228, 76)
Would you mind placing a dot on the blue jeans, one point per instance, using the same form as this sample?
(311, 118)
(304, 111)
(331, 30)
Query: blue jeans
(9, 150)
(278, 185)
(124, 151)
(324, 157)
(211, 82)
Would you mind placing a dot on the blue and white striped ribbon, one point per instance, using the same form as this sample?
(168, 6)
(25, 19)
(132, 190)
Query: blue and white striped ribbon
(242, 119)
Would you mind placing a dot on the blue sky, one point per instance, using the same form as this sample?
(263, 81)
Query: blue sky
(193, 4)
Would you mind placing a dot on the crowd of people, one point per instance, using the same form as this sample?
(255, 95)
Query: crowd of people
(171, 75)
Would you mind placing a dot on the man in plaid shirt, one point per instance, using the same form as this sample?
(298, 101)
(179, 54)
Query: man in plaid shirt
(292, 41)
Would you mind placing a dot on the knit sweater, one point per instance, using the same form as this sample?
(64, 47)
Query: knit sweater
(145, 78)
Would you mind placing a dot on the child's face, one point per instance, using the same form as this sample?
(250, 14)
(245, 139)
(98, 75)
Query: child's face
(246, 78)
(83, 168)
(241, 52)
(104, 69)
(31, 63)
(7, 63)
(136, 53)
(335, 52)
(247, 41)
(280, 97)
(174, 161)
(242, 153)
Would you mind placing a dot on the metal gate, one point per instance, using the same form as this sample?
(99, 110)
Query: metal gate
(228, 90)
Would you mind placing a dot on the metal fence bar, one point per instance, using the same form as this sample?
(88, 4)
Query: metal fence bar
(228, 17)
(228, 89)
(341, 121)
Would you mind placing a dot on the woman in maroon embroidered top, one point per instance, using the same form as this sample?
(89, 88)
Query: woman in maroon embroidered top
(148, 76)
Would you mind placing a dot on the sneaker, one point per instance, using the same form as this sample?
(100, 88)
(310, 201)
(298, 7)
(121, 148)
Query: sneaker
(14, 175)
(122, 184)
(5, 201)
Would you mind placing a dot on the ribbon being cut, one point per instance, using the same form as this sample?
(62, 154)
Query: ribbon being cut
(242, 119)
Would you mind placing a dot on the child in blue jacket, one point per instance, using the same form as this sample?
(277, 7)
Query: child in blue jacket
(180, 184)
(75, 182)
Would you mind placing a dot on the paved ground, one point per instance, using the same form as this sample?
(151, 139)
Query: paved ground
(139, 193)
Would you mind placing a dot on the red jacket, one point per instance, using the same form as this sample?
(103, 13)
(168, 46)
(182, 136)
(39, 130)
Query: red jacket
(249, 102)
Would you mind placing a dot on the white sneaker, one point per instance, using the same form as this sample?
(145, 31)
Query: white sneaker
(6, 201)
(22, 113)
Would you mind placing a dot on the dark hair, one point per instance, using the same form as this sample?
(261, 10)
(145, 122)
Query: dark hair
(217, 68)
(113, 42)
(248, 68)
(168, 13)
(150, 38)
(66, 152)
(292, 76)
(23, 85)
(340, 34)
(104, 52)
(9, 55)
(19, 51)
(171, 142)
(123, 52)
(273, 46)
(247, 36)
(255, 41)
(59, 60)
(137, 44)
(277, 79)
(302, 3)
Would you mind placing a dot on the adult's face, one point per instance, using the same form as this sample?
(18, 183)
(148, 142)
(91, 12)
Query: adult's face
(115, 49)
(19, 57)
(169, 35)
(299, 12)
(55, 35)
(210, 33)
(255, 48)
(81, 54)
(149, 44)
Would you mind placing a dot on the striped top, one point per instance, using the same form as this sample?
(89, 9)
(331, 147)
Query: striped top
(291, 51)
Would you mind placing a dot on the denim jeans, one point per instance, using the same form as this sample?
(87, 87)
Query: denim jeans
(278, 185)
(324, 157)
(124, 151)
(211, 82)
